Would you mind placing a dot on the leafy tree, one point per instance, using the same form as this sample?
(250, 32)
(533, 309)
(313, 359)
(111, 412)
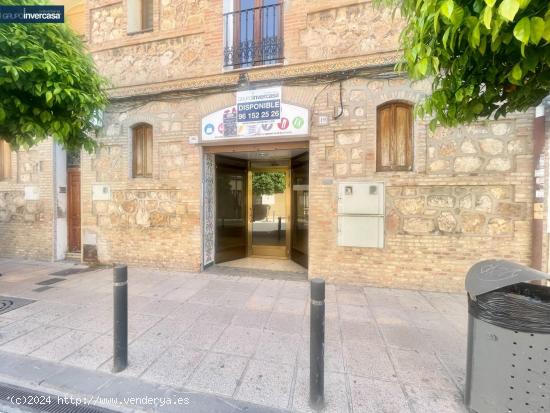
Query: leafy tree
(48, 85)
(486, 57)
(268, 183)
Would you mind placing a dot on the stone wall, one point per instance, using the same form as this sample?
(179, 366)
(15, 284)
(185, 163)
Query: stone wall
(439, 221)
(459, 210)
(107, 23)
(26, 222)
(481, 148)
(146, 221)
(152, 62)
(350, 30)
(177, 14)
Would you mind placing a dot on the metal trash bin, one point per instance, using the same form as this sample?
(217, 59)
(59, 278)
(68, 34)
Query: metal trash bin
(508, 361)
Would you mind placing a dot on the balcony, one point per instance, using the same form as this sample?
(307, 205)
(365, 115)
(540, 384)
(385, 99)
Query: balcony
(253, 36)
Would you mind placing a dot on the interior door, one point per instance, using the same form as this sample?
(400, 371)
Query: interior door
(231, 223)
(269, 212)
(300, 209)
(73, 209)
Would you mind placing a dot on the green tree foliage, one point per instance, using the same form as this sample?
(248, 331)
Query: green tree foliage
(48, 85)
(268, 183)
(486, 57)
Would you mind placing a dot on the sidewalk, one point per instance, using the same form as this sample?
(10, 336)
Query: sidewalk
(239, 342)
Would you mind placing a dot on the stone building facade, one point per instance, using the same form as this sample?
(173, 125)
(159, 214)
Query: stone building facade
(469, 194)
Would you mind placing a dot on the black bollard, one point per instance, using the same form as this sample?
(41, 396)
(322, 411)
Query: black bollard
(317, 345)
(120, 326)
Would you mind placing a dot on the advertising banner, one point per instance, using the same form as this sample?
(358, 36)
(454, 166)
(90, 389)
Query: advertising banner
(292, 121)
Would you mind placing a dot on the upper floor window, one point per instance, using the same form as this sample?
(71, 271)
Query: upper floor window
(253, 33)
(142, 151)
(140, 15)
(394, 148)
(5, 160)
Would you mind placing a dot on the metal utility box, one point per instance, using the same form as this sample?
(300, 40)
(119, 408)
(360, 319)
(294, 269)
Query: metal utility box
(508, 362)
(360, 231)
(364, 198)
(361, 214)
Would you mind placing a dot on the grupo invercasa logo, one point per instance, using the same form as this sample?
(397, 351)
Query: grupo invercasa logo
(32, 14)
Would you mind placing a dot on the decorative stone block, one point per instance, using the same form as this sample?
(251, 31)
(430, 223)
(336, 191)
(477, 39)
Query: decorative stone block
(418, 225)
(466, 164)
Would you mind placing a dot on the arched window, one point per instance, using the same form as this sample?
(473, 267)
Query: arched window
(394, 131)
(142, 145)
(5, 160)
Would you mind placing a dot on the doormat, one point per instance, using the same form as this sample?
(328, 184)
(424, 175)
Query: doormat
(71, 271)
(42, 289)
(11, 303)
(50, 281)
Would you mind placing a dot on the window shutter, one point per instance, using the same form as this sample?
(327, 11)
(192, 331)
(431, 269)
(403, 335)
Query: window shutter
(142, 144)
(394, 137)
(5, 160)
(402, 136)
(148, 151)
(384, 138)
(146, 14)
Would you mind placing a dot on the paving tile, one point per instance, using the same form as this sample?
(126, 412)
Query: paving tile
(158, 307)
(250, 318)
(34, 339)
(208, 297)
(139, 324)
(189, 312)
(234, 299)
(394, 315)
(355, 313)
(278, 347)
(64, 345)
(378, 396)
(290, 305)
(336, 397)
(260, 302)
(266, 383)
(420, 369)
(351, 297)
(364, 331)
(240, 341)
(29, 370)
(77, 380)
(202, 335)
(174, 366)
(427, 399)
(218, 373)
(367, 360)
(334, 355)
(218, 315)
(93, 354)
(406, 337)
(285, 323)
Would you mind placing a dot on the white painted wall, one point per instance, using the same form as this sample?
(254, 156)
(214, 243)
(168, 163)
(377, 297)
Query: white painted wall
(61, 242)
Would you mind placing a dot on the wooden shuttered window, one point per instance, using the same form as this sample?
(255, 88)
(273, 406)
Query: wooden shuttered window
(5, 160)
(146, 14)
(394, 137)
(142, 145)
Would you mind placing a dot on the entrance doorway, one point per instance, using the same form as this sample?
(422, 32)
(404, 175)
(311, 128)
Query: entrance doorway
(261, 211)
(73, 202)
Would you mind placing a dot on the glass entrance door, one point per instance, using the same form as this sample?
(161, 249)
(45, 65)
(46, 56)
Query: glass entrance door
(269, 214)
(300, 209)
(231, 228)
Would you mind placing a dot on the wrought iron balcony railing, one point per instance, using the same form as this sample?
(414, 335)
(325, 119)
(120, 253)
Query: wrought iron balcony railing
(253, 37)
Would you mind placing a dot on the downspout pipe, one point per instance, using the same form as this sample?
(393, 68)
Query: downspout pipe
(539, 174)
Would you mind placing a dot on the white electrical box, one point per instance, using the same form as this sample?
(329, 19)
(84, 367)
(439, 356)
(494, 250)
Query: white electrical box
(361, 231)
(365, 198)
(101, 193)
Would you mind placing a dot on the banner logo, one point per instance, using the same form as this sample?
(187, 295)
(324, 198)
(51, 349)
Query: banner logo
(32, 14)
